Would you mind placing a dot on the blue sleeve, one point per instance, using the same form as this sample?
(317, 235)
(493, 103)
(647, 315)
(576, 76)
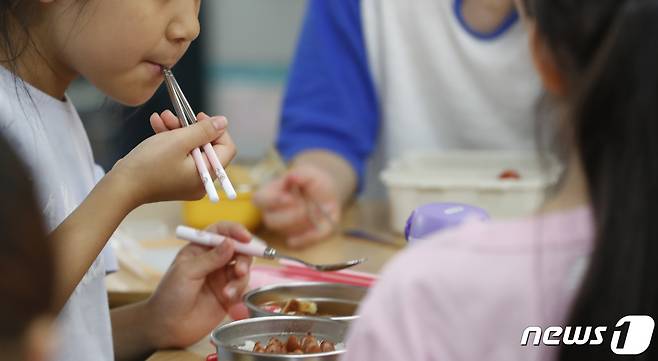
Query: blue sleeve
(330, 102)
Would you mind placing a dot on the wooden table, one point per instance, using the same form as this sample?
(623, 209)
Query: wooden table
(127, 286)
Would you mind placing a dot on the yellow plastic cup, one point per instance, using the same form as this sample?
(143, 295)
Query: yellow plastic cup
(202, 213)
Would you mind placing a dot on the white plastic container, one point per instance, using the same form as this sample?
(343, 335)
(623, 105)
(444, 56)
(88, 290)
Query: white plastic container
(470, 177)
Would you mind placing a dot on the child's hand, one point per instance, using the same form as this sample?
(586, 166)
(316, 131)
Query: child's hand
(161, 167)
(168, 121)
(198, 290)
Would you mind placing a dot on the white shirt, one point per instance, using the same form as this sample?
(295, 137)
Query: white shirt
(49, 137)
(440, 88)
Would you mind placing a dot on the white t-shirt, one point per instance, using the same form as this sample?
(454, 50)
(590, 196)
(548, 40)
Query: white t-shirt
(441, 88)
(49, 137)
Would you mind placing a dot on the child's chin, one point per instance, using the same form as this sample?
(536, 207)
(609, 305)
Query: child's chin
(134, 100)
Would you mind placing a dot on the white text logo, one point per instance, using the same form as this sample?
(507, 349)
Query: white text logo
(631, 335)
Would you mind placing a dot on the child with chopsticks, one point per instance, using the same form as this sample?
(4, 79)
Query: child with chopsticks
(120, 47)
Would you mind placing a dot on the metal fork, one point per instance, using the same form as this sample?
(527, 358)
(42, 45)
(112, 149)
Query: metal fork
(256, 248)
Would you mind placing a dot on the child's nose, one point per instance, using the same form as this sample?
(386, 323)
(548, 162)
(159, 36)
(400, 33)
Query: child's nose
(184, 27)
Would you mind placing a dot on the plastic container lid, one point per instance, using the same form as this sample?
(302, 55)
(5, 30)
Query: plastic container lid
(434, 217)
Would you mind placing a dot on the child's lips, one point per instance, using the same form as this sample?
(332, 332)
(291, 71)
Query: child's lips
(158, 66)
(168, 64)
(155, 67)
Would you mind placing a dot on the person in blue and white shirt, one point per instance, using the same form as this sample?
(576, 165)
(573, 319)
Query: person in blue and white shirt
(373, 79)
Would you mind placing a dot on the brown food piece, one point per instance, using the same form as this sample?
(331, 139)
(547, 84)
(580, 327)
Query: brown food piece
(313, 348)
(274, 345)
(307, 341)
(258, 347)
(299, 307)
(274, 341)
(327, 346)
(308, 345)
(292, 344)
(275, 348)
(509, 174)
(291, 306)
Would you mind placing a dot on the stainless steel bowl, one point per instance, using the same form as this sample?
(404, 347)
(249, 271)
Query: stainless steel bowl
(230, 337)
(338, 300)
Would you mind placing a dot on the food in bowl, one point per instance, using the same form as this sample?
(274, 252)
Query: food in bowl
(235, 341)
(327, 300)
(294, 307)
(307, 344)
(318, 308)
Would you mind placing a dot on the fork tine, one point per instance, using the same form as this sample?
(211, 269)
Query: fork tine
(340, 266)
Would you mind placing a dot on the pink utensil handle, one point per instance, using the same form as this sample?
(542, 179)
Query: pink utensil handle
(205, 176)
(333, 277)
(213, 240)
(219, 171)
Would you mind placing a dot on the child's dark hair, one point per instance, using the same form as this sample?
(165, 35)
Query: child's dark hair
(608, 52)
(15, 15)
(26, 257)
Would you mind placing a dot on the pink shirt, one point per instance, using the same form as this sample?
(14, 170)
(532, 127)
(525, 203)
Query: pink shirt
(468, 293)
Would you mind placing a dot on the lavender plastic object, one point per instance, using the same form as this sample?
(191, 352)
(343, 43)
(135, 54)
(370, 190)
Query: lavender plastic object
(435, 217)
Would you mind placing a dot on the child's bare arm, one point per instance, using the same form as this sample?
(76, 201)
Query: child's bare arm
(159, 169)
(82, 236)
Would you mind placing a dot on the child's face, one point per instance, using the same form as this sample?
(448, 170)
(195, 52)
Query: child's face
(120, 45)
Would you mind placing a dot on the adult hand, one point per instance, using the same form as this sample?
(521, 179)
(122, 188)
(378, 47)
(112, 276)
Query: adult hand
(303, 205)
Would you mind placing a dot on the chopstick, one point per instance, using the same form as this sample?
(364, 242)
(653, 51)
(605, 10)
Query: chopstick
(210, 151)
(333, 277)
(207, 181)
(187, 118)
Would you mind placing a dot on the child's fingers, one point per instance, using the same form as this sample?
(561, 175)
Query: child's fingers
(164, 122)
(227, 140)
(170, 119)
(242, 265)
(200, 133)
(232, 230)
(238, 311)
(223, 146)
(210, 261)
(157, 123)
(235, 288)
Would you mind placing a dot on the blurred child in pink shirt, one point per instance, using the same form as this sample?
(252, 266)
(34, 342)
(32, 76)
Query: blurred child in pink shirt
(588, 257)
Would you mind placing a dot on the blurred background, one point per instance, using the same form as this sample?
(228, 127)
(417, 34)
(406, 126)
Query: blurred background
(237, 68)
